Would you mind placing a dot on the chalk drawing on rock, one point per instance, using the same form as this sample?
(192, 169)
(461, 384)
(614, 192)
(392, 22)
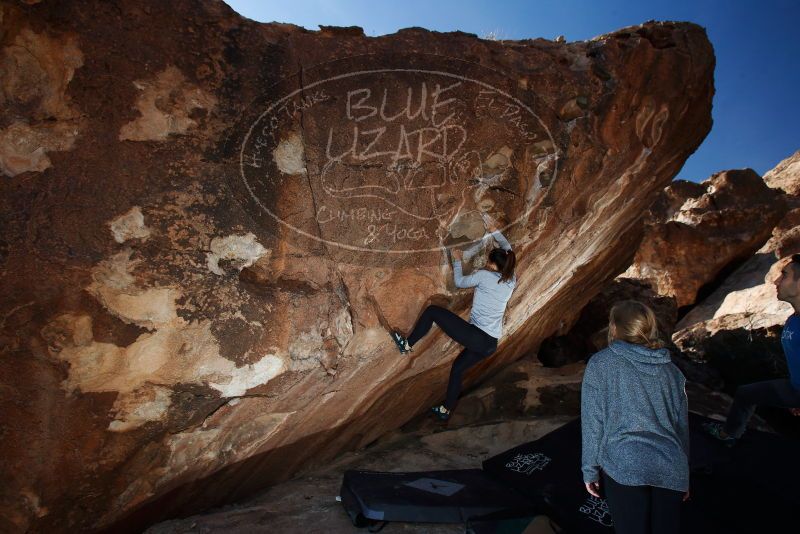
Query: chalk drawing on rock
(419, 146)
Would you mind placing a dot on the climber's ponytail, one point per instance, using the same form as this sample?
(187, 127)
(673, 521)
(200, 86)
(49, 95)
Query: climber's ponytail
(505, 260)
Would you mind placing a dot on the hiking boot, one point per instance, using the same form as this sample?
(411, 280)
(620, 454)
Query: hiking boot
(441, 412)
(715, 431)
(401, 342)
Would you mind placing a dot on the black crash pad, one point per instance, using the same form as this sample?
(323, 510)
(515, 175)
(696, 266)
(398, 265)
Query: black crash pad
(747, 488)
(548, 471)
(429, 497)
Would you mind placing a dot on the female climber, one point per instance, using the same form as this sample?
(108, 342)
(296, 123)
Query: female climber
(493, 287)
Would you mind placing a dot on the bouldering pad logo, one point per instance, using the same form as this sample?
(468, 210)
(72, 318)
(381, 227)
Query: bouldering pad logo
(397, 159)
(527, 464)
(597, 510)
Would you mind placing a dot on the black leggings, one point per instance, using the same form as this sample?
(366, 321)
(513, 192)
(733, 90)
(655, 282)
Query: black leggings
(477, 344)
(643, 509)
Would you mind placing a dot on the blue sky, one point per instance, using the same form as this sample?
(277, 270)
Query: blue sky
(757, 44)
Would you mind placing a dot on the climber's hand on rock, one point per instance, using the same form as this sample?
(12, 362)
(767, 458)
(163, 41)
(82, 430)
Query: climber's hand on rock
(490, 223)
(457, 254)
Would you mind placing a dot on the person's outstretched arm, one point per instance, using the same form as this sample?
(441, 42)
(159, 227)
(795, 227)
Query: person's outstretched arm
(470, 280)
(501, 240)
(494, 231)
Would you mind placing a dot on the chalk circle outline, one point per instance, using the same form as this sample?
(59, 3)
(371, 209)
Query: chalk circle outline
(305, 87)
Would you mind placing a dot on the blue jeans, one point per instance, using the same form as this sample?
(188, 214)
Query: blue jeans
(778, 392)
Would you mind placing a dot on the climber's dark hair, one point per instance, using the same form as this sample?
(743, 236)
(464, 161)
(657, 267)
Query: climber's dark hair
(505, 261)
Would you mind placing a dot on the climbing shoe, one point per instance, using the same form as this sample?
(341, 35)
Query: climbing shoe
(401, 342)
(715, 431)
(441, 412)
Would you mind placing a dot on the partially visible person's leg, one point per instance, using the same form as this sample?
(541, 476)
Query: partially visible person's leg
(629, 506)
(665, 511)
(768, 393)
(458, 329)
(464, 361)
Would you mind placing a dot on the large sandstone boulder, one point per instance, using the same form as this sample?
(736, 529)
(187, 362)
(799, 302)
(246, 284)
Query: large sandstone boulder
(737, 328)
(210, 224)
(750, 289)
(695, 235)
(786, 175)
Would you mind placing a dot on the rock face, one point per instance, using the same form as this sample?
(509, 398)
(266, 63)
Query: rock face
(210, 224)
(695, 235)
(39, 116)
(590, 332)
(750, 290)
(737, 328)
(748, 295)
(786, 175)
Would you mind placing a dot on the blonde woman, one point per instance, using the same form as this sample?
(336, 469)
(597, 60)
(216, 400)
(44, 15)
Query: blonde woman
(635, 425)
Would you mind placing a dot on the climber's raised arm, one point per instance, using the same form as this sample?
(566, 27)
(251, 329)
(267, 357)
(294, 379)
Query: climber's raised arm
(470, 280)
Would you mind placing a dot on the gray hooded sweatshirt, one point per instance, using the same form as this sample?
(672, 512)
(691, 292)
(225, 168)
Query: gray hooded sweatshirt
(635, 418)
